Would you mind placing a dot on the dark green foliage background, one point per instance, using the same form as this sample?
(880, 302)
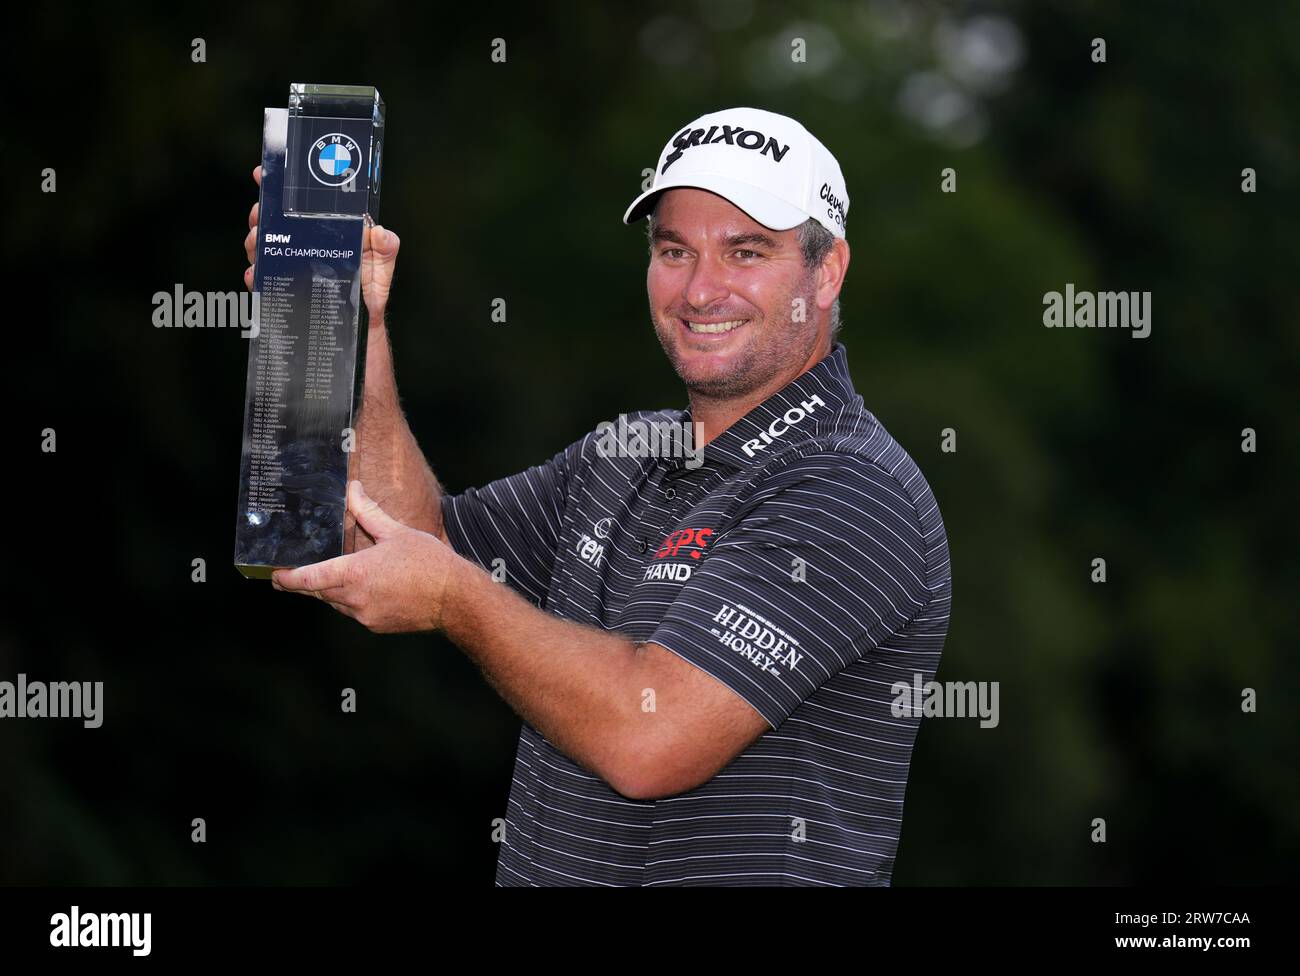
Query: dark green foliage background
(1119, 701)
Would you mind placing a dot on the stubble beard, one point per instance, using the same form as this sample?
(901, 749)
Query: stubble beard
(773, 348)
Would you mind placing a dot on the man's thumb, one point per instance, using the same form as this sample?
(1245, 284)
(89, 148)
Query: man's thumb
(384, 243)
(369, 515)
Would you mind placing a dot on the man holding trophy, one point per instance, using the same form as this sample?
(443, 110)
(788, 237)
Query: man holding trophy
(702, 654)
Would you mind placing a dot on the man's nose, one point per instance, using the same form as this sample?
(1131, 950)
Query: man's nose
(707, 285)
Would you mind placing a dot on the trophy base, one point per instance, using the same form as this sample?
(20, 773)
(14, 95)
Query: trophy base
(256, 572)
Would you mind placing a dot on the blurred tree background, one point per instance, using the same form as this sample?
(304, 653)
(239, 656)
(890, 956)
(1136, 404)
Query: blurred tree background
(1119, 700)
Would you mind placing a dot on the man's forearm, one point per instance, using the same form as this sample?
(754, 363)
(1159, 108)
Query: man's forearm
(579, 686)
(389, 462)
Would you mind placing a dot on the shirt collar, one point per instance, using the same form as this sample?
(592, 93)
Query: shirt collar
(789, 415)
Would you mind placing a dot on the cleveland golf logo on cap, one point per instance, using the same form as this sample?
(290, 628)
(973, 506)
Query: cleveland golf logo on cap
(835, 205)
(732, 135)
(334, 159)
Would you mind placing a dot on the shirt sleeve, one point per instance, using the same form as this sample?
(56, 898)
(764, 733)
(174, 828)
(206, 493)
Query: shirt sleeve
(823, 562)
(515, 520)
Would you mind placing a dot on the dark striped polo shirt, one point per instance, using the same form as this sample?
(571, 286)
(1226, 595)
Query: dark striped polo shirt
(802, 562)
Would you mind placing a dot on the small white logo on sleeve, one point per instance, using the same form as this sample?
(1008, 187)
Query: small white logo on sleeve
(782, 425)
(588, 549)
(754, 637)
(104, 930)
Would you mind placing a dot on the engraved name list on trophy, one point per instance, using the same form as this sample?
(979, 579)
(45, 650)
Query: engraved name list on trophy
(306, 357)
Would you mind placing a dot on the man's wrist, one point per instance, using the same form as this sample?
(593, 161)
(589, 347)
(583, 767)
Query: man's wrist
(450, 600)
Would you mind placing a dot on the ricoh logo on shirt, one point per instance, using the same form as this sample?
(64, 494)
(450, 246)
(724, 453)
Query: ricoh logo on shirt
(731, 135)
(761, 642)
(782, 425)
(684, 542)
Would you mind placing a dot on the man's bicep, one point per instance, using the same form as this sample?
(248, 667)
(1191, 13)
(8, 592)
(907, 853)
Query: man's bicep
(694, 724)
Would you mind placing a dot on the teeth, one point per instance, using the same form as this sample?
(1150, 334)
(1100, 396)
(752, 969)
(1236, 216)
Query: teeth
(715, 326)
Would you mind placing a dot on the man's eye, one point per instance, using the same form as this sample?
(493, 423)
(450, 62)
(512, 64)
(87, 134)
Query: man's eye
(745, 254)
(673, 252)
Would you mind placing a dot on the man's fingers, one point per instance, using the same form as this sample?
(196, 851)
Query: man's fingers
(384, 242)
(377, 523)
(322, 576)
(380, 242)
(384, 250)
(257, 174)
(338, 597)
(250, 240)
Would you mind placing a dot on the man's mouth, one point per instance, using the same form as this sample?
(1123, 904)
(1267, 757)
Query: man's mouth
(712, 328)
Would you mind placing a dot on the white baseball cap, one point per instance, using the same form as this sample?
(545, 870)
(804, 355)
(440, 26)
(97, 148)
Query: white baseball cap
(766, 164)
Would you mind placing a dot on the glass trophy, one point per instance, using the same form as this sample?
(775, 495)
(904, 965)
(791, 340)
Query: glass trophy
(306, 355)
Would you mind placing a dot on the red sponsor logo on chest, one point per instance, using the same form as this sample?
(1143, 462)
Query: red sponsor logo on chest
(689, 541)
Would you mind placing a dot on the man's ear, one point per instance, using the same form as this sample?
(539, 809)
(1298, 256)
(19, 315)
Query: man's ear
(830, 276)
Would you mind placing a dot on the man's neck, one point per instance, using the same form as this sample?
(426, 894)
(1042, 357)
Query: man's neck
(715, 415)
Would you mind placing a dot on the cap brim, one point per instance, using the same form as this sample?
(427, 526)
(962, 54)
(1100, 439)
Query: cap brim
(771, 212)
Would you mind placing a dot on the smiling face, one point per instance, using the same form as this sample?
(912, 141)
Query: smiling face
(723, 292)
